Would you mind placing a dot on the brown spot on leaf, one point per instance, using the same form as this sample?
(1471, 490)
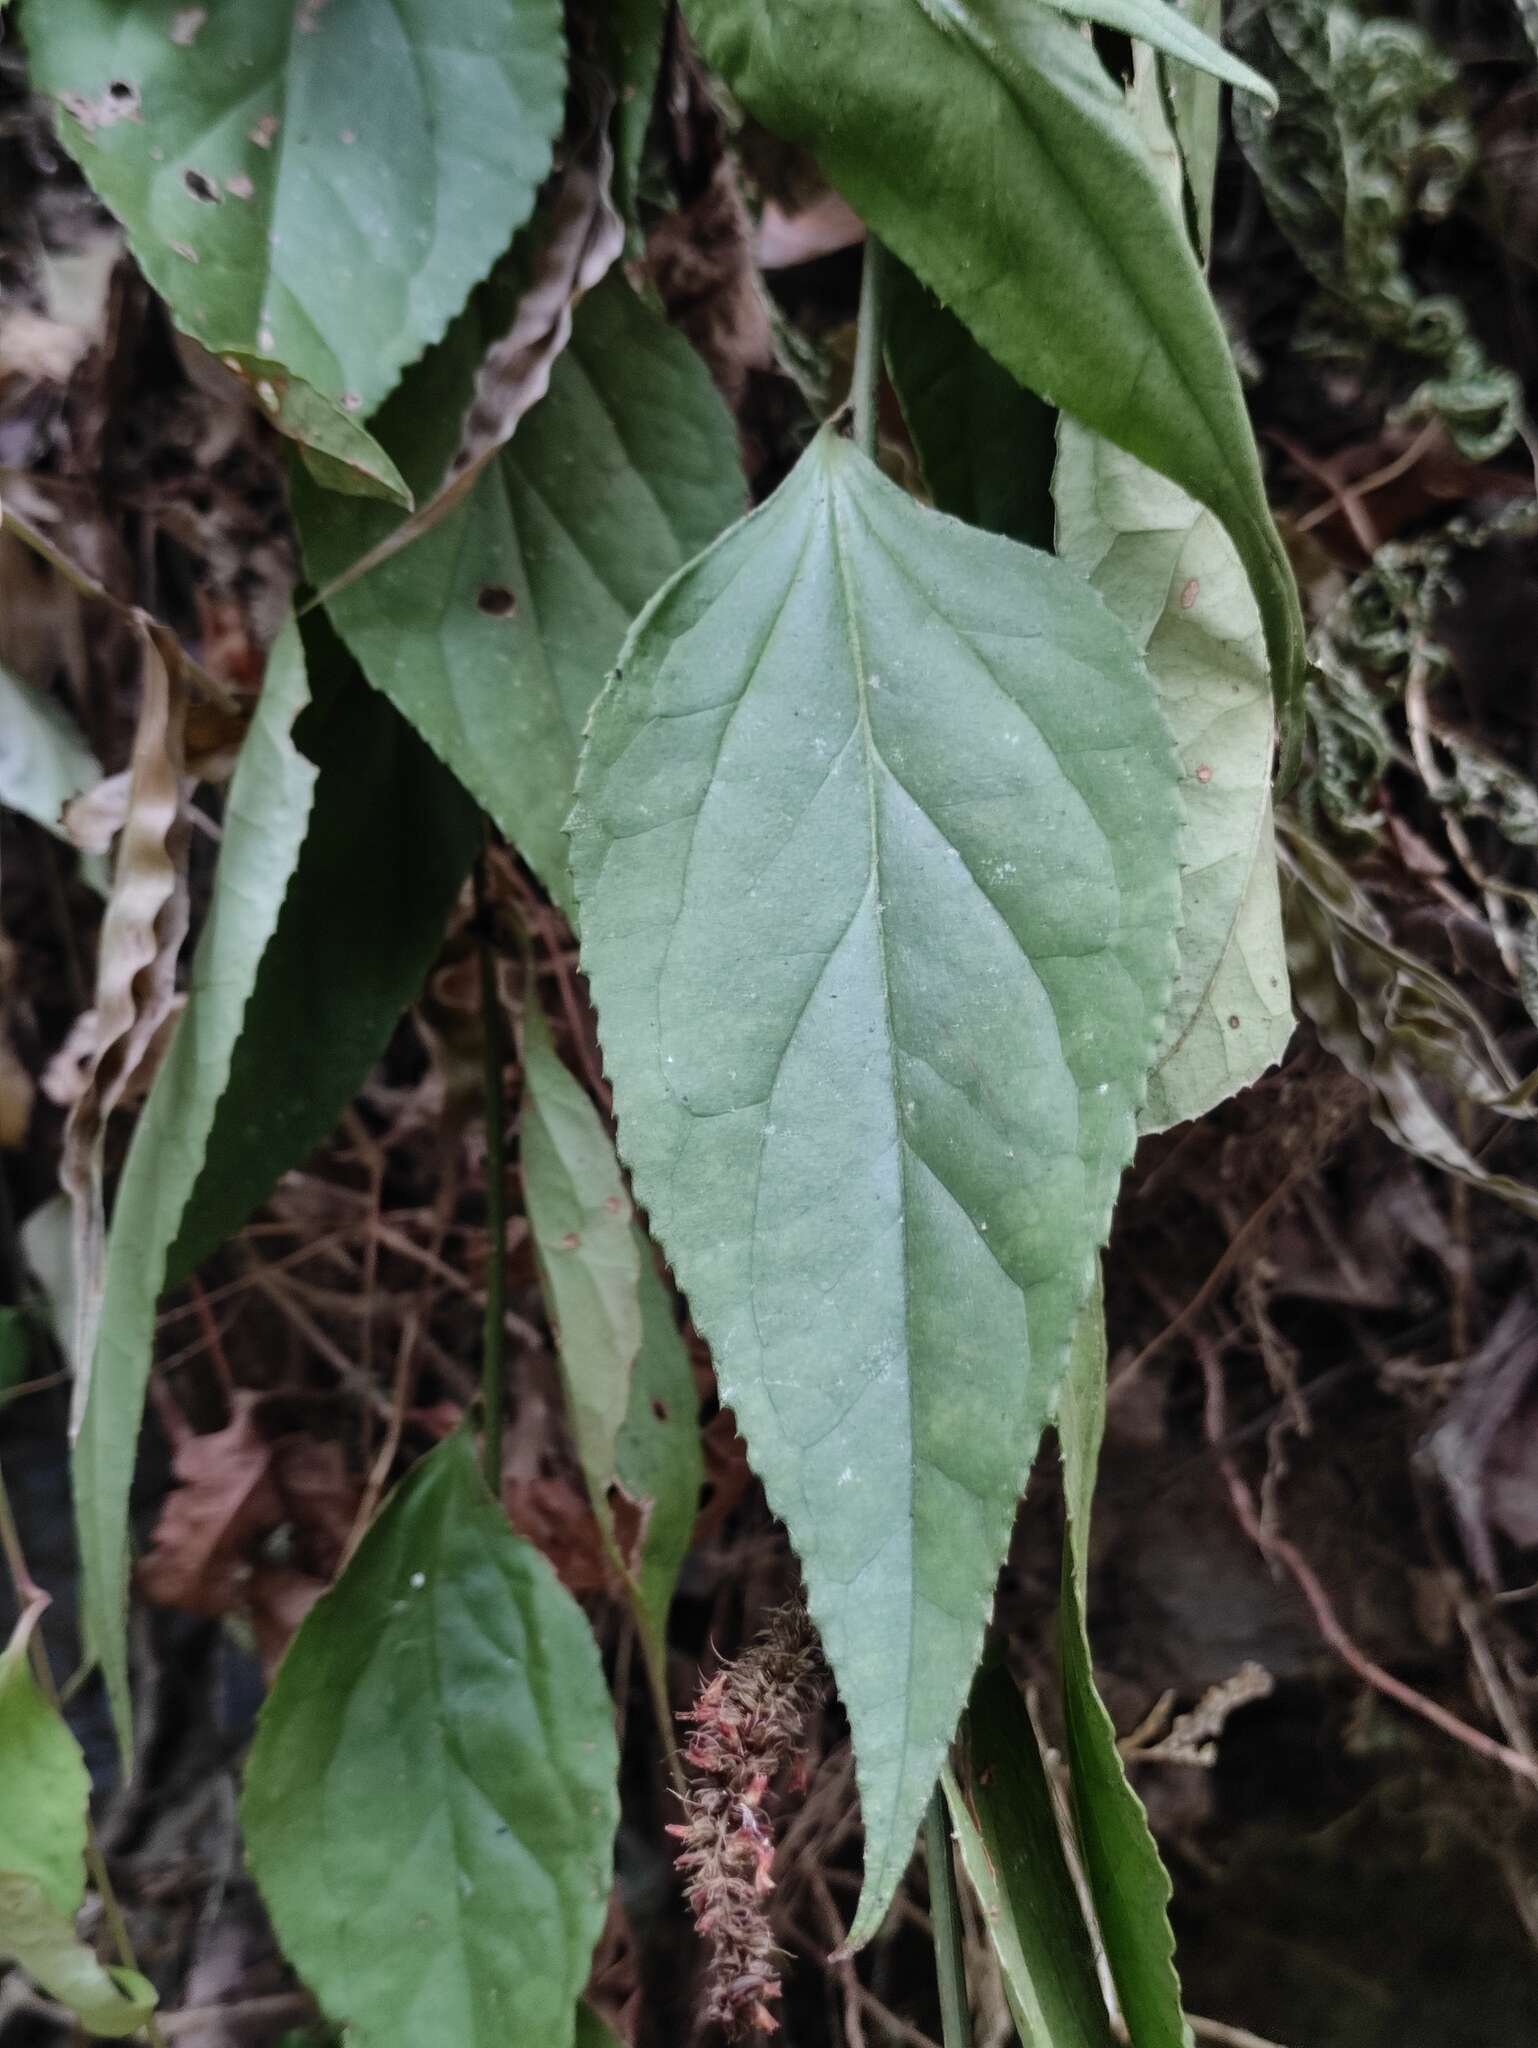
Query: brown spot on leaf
(660, 1410)
(1204, 773)
(187, 25)
(120, 102)
(1189, 594)
(1233, 1022)
(201, 186)
(240, 186)
(496, 601)
(571, 1241)
(264, 131)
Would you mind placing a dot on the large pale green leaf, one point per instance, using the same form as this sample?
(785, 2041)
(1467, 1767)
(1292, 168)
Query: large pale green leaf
(1006, 1828)
(430, 1804)
(985, 444)
(44, 1792)
(1172, 29)
(493, 630)
(875, 850)
(390, 842)
(44, 760)
(1035, 214)
(314, 182)
(588, 1249)
(265, 819)
(1169, 572)
(1126, 1879)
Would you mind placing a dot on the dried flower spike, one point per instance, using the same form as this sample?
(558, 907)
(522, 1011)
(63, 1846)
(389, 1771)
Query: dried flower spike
(747, 1729)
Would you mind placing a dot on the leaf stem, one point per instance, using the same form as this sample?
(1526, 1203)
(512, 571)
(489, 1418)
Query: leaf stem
(945, 1919)
(494, 1340)
(865, 391)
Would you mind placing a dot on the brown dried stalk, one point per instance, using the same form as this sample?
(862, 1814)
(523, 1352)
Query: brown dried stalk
(748, 1724)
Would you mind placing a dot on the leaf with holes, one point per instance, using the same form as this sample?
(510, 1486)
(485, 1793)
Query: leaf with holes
(1038, 219)
(875, 848)
(430, 1804)
(1167, 27)
(317, 183)
(492, 631)
(1126, 1879)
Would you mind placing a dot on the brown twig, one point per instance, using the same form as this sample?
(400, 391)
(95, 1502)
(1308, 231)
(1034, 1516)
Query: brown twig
(1271, 1543)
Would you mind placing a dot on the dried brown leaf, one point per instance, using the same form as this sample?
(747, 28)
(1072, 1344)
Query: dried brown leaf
(226, 1502)
(141, 938)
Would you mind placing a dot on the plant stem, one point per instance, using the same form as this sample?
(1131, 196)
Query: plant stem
(494, 1340)
(866, 388)
(945, 1919)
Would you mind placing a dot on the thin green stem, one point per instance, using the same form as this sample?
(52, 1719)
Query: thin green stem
(945, 1920)
(494, 1340)
(866, 388)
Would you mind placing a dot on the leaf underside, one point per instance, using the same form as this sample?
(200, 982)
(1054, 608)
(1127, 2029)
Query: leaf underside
(875, 851)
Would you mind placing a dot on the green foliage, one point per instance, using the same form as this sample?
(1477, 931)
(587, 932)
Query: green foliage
(1000, 99)
(430, 1805)
(1172, 576)
(1127, 1883)
(44, 1793)
(1007, 1831)
(44, 760)
(265, 821)
(878, 910)
(1369, 141)
(494, 630)
(314, 186)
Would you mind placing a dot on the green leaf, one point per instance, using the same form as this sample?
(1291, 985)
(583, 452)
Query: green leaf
(592, 2032)
(264, 825)
(1127, 1881)
(430, 1804)
(985, 444)
(1038, 218)
(1169, 572)
(339, 454)
(875, 849)
(390, 842)
(625, 1373)
(587, 1247)
(657, 1455)
(635, 31)
(16, 1341)
(44, 1792)
(44, 760)
(1167, 27)
(318, 185)
(1006, 1828)
(110, 2002)
(1196, 106)
(491, 631)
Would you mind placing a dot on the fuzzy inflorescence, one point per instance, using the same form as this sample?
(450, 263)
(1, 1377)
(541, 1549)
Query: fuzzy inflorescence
(747, 1727)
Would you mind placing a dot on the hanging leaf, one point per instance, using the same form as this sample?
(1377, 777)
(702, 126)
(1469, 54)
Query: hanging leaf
(1170, 574)
(430, 1804)
(587, 1246)
(44, 760)
(265, 819)
(44, 1793)
(657, 1455)
(625, 1374)
(316, 183)
(875, 849)
(492, 630)
(1196, 109)
(1127, 1881)
(389, 846)
(985, 444)
(1172, 29)
(1038, 219)
(1006, 1828)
